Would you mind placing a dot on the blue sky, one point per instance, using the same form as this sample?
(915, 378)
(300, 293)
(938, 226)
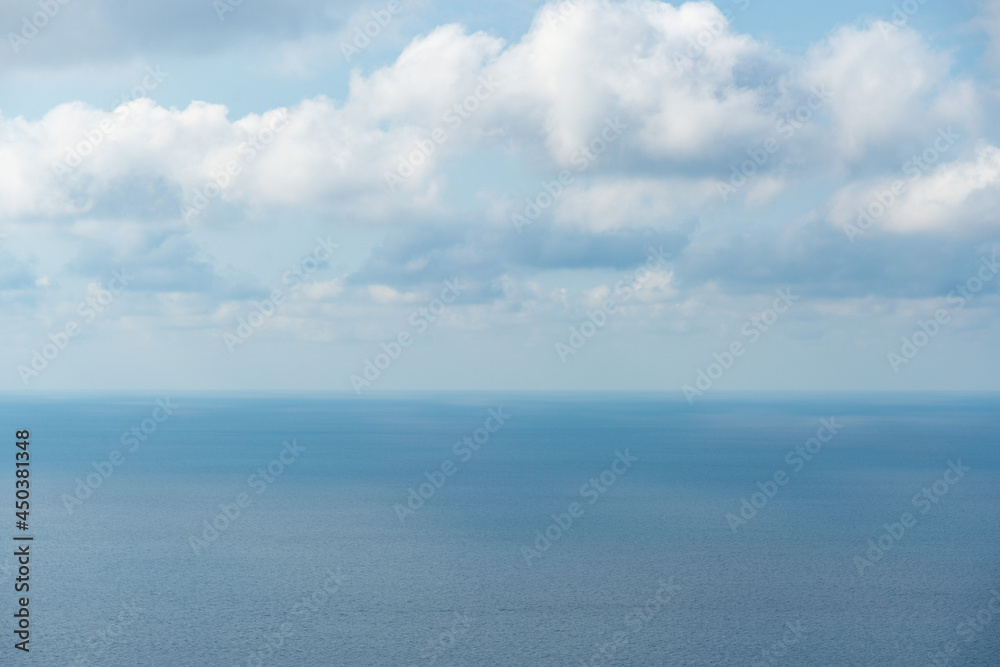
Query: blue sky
(622, 194)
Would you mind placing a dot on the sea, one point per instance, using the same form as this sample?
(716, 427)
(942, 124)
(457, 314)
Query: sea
(493, 529)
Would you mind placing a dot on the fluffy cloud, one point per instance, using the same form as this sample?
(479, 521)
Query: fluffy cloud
(679, 75)
(690, 99)
(686, 96)
(887, 86)
(959, 198)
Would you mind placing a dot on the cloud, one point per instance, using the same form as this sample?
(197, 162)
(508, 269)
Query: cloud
(821, 262)
(63, 33)
(686, 96)
(431, 253)
(989, 20)
(162, 262)
(635, 59)
(693, 99)
(887, 86)
(958, 199)
(621, 203)
(15, 274)
(77, 160)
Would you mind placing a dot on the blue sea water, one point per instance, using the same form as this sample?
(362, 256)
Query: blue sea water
(324, 566)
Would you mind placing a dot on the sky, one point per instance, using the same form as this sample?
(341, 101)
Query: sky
(579, 195)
